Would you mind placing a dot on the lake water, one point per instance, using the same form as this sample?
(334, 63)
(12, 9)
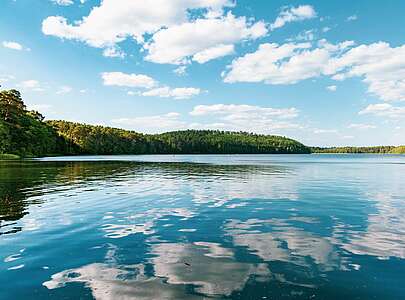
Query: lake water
(198, 227)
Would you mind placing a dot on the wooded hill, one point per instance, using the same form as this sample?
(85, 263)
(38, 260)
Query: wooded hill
(25, 133)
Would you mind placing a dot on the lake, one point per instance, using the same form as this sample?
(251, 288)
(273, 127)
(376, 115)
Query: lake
(203, 226)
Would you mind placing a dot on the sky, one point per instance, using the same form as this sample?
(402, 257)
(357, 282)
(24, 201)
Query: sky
(326, 73)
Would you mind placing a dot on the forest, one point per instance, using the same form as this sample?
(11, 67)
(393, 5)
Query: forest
(361, 150)
(25, 133)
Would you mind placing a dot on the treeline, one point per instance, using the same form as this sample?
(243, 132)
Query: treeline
(225, 142)
(25, 133)
(361, 150)
(88, 139)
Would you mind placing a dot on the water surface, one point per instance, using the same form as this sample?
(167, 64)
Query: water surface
(203, 226)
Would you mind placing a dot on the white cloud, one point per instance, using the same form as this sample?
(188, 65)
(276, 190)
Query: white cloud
(278, 64)
(246, 117)
(166, 29)
(64, 90)
(152, 86)
(233, 109)
(176, 93)
(306, 35)
(113, 21)
(384, 110)
(212, 53)
(180, 70)
(13, 45)
(361, 126)
(292, 14)
(32, 85)
(351, 18)
(6, 78)
(231, 117)
(202, 39)
(332, 88)
(113, 52)
(127, 80)
(322, 131)
(63, 2)
(379, 65)
(153, 124)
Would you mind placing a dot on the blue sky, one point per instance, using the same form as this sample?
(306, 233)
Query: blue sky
(318, 71)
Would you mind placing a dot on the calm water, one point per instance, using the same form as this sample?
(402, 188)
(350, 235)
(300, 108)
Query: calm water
(198, 227)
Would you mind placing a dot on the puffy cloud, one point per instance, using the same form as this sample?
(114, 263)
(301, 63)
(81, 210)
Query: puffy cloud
(279, 64)
(361, 126)
(13, 45)
(246, 117)
(332, 88)
(127, 80)
(384, 110)
(291, 14)
(115, 20)
(379, 65)
(63, 2)
(176, 93)
(113, 52)
(165, 29)
(234, 109)
(212, 53)
(153, 124)
(146, 82)
(202, 39)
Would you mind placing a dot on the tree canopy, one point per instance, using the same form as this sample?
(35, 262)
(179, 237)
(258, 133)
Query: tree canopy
(25, 133)
(354, 150)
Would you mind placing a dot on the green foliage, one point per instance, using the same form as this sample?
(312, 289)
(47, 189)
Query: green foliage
(398, 150)
(88, 139)
(4, 136)
(8, 156)
(223, 142)
(25, 133)
(105, 140)
(354, 150)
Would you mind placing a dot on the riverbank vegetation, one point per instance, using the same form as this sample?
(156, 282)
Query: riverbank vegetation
(361, 150)
(398, 150)
(26, 134)
(6, 156)
(354, 150)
